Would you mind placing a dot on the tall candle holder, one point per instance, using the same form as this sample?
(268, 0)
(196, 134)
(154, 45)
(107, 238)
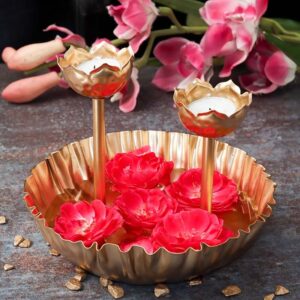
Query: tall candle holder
(211, 113)
(97, 74)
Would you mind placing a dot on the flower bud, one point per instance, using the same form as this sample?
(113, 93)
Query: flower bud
(33, 55)
(7, 53)
(25, 90)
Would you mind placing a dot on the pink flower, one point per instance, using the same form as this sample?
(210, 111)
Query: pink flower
(187, 191)
(182, 60)
(143, 241)
(186, 229)
(27, 89)
(71, 38)
(134, 19)
(233, 29)
(140, 168)
(127, 97)
(143, 208)
(87, 222)
(270, 68)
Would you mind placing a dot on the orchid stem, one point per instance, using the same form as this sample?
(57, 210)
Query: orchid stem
(41, 67)
(118, 42)
(168, 12)
(166, 32)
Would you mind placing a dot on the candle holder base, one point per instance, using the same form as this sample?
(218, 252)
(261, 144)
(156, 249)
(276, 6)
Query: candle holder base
(68, 174)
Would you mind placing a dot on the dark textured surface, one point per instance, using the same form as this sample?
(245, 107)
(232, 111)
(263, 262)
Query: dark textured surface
(29, 132)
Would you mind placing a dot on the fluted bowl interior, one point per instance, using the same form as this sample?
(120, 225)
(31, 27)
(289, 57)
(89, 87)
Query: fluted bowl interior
(67, 175)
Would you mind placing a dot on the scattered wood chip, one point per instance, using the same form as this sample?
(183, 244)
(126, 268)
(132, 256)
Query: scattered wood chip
(80, 276)
(115, 291)
(25, 244)
(195, 282)
(54, 252)
(231, 290)
(3, 220)
(79, 270)
(269, 297)
(73, 284)
(18, 239)
(281, 290)
(105, 282)
(8, 267)
(161, 290)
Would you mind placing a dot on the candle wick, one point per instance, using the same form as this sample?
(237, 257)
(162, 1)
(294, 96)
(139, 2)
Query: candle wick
(209, 109)
(94, 67)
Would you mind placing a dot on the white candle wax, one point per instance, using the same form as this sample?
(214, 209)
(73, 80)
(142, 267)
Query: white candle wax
(90, 65)
(219, 104)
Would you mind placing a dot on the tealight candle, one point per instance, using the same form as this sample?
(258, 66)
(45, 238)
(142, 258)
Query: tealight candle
(90, 65)
(219, 104)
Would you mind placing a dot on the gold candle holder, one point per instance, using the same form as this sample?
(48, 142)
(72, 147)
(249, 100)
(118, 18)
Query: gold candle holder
(210, 112)
(97, 74)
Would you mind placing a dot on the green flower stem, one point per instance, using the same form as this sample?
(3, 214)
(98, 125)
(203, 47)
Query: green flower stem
(118, 42)
(168, 12)
(274, 27)
(184, 6)
(288, 38)
(41, 67)
(166, 32)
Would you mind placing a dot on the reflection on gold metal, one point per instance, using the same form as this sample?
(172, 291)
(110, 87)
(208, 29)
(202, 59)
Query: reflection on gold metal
(99, 73)
(99, 146)
(106, 79)
(212, 124)
(66, 175)
(208, 167)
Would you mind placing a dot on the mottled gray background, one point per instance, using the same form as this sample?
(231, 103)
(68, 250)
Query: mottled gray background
(29, 132)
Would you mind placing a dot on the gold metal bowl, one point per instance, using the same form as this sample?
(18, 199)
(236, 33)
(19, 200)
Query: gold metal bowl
(67, 175)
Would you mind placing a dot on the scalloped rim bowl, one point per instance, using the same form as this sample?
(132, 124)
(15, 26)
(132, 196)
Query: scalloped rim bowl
(67, 174)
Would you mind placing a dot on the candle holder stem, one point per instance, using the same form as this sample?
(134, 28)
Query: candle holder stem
(99, 147)
(208, 167)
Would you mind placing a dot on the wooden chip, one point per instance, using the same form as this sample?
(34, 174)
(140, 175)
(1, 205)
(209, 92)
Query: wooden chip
(3, 220)
(18, 239)
(25, 244)
(231, 290)
(79, 270)
(8, 267)
(115, 291)
(73, 284)
(80, 276)
(161, 290)
(195, 282)
(54, 252)
(105, 282)
(281, 290)
(269, 297)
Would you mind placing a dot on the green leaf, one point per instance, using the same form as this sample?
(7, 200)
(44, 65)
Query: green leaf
(290, 49)
(185, 6)
(194, 20)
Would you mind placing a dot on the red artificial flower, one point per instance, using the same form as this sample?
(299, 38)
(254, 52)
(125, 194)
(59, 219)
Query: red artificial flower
(186, 229)
(143, 241)
(140, 168)
(143, 209)
(187, 191)
(87, 222)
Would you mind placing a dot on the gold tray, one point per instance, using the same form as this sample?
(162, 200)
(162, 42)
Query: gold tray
(68, 174)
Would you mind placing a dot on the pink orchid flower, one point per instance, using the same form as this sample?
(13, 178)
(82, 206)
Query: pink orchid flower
(233, 29)
(134, 19)
(182, 60)
(270, 68)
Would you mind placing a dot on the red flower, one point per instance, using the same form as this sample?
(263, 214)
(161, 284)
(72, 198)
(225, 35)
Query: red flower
(186, 229)
(187, 191)
(87, 222)
(140, 168)
(143, 209)
(143, 241)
